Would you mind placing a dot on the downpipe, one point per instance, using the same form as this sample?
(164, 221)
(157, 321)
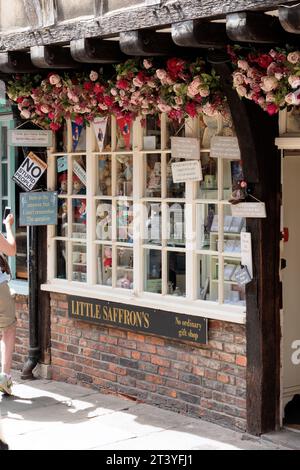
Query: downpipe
(34, 348)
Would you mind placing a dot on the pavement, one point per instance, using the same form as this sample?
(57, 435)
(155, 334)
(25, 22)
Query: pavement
(48, 415)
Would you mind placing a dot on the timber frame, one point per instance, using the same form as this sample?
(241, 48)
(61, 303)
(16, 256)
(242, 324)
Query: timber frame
(256, 132)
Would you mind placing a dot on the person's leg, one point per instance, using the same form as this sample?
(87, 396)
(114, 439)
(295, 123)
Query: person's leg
(7, 348)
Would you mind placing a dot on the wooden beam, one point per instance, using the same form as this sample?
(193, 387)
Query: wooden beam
(98, 51)
(16, 62)
(52, 57)
(256, 132)
(199, 33)
(255, 27)
(153, 16)
(289, 17)
(146, 43)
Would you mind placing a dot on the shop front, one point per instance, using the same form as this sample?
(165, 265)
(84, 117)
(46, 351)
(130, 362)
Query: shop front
(166, 261)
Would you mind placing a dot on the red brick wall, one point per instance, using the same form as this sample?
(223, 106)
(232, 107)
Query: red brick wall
(207, 381)
(22, 337)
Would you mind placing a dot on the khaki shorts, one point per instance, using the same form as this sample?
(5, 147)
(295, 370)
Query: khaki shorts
(7, 307)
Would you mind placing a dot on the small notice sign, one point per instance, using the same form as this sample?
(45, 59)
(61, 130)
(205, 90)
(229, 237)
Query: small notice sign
(38, 208)
(30, 172)
(30, 138)
(249, 210)
(80, 172)
(242, 275)
(246, 251)
(185, 147)
(187, 171)
(225, 147)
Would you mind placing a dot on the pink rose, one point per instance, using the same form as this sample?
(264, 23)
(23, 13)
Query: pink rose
(272, 109)
(164, 108)
(147, 64)
(238, 79)
(114, 92)
(294, 81)
(26, 114)
(204, 91)
(161, 74)
(243, 64)
(270, 98)
(293, 57)
(45, 109)
(269, 83)
(94, 76)
(241, 90)
(293, 98)
(137, 82)
(54, 79)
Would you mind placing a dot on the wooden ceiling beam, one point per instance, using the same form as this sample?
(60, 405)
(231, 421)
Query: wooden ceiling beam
(254, 27)
(52, 57)
(289, 17)
(16, 62)
(199, 33)
(147, 42)
(97, 51)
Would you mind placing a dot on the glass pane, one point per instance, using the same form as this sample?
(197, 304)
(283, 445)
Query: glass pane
(176, 274)
(125, 268)
(207, 227)
(208, 187)
(104, 221)
(104, 185)
(61, 260)
(207, 280)
(174, 190)
(4, 186)
(233, 226)
(21, 256)
(4, 142)
(233, 292)
(153, 224)
(153, 278)
(61, 138)
(79, 175)
(124, 134)
(62, 222)
(14, 17)
(176, 224)
(233, 175)
(124, 221)
(153, 175)
(124, 175)
(152, 133)
(174, 129)
(79, 218)
(62, 175)
(79, 262)
(68, 9)
(104, 265)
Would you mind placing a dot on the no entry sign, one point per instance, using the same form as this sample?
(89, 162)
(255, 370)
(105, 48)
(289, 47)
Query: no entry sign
(30, 172)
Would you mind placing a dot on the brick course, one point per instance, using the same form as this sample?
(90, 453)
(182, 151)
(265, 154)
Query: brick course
(200, 381)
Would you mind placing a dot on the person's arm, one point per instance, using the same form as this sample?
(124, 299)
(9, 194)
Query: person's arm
(8, 245)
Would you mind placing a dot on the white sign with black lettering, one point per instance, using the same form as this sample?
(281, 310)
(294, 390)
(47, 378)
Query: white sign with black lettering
(250, 210)
(185, 147)
(187, 171)
(246, 251)
(30, 138)
(225, 147)
(30, 172)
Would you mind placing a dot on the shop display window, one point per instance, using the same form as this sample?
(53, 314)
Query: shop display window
(125, 226)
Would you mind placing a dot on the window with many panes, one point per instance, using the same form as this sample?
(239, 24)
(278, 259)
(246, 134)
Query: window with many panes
(127, 231)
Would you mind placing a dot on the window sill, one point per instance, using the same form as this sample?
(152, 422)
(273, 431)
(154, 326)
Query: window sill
(198, 308)
(20, 287)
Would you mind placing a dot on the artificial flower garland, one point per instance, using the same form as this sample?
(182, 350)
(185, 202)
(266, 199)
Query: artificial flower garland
(179, 88)
(270, 79)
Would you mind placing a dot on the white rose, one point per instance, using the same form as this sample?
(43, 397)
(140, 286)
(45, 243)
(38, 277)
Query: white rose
(241, 90)
(269, 84)
(294, 81)
(294, 57)
(54, 79)
(94, 76)
(243, 64)
(26, 114)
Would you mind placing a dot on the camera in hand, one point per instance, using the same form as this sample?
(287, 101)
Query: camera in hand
(7, 211)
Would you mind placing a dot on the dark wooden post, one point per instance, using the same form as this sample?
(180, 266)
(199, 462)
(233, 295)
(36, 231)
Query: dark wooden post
(256, 132)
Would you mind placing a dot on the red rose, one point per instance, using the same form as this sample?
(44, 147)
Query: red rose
(272, 108)
(51, 115)
(79, 120)
(175, 66)
(88, 86)
(54, 126)
(264, 60)
(141, 76)
(108, 100)
(191, 109)
(98, 89)
(122, 84)
(20, 99)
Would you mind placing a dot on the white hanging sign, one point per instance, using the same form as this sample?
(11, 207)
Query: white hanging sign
(225, 147)
(30, 138)
(80, 172)
(187, 171)
(246, 251)
(100, 125)
(185, 147)
(249, 210)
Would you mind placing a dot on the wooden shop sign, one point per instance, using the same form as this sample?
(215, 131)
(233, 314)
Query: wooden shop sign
(139, 319)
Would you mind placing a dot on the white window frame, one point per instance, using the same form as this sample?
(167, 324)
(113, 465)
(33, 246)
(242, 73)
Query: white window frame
(137, 297)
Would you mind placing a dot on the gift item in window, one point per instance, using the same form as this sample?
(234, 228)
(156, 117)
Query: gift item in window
(103, 222)
(176, 229)
(107, 258)
(78, 187)
(63, 183)
(153, 223)
(153, 178)
(176, 190)
(124, 175)
(125, 222)
(79, 218)
(125, 282)
(62, 223)
(78, 137)
(213, 126)
(104, 176)
(124, 133)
